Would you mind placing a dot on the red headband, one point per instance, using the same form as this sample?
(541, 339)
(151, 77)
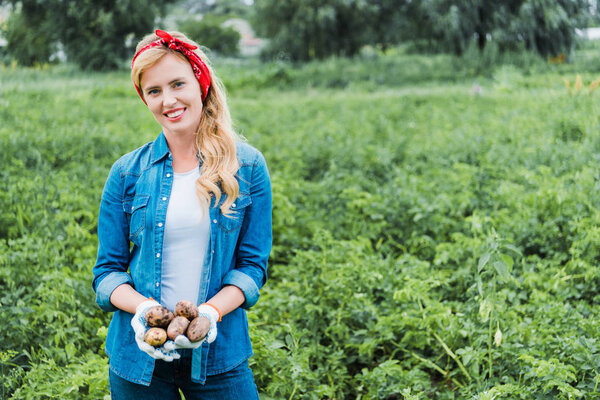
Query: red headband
(200, 69)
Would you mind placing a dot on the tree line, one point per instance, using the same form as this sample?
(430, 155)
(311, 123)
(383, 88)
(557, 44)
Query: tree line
(99, 35)
(306, 29)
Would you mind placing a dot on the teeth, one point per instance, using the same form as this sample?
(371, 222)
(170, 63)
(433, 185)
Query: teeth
(175, 114)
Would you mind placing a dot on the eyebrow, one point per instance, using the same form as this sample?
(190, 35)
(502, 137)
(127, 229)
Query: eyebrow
(158, 87)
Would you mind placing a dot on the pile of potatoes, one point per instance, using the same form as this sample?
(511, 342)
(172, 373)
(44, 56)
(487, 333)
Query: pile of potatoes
(165, 324)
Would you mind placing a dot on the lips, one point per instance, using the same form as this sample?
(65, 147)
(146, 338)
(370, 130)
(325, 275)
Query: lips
(174, 115)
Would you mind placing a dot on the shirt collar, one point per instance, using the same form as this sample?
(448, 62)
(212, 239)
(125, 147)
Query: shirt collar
(160, 148)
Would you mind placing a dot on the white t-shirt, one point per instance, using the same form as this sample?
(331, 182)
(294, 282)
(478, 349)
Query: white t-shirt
(185, 242)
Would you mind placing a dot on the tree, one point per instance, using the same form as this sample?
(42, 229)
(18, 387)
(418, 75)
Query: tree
(555, 22)
(92, 33)
(387, 22)
(307, 29)
(218, 8)
(210, 33)
(545, 26)
(25, 45)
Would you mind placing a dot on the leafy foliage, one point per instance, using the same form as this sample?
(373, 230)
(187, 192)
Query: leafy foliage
(26, 45)
(546, 27)
(92, 34)
(221, 8)
(316, 29)
(209, 33)
(432, 239)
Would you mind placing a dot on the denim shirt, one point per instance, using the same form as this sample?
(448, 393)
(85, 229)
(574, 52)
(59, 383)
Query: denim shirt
(130, 233)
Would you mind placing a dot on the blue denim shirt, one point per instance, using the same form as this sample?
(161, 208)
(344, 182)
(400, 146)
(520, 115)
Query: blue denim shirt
(130, 232)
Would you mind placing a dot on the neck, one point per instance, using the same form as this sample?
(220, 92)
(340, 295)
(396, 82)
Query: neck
(183, 150)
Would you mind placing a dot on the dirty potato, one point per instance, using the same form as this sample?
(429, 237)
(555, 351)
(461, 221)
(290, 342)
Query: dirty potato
(187, 309)
(177, 327)
(198, 329)
(158, 316)
(155, 336)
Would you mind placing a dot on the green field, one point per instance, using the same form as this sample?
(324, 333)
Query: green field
(436, 226)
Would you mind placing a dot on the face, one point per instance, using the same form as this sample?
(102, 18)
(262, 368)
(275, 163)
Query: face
(173, 95)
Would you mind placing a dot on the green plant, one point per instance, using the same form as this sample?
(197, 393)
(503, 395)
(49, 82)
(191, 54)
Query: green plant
(414, 223)
(209, 32)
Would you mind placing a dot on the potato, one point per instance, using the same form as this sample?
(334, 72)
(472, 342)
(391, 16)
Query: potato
(177, 327)
(158, 316)
(155, 336)
(198, 329)
(187, 309)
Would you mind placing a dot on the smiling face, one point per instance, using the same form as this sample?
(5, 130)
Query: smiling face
(173, 95)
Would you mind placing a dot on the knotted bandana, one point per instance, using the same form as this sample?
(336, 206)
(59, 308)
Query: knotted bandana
(200, 69)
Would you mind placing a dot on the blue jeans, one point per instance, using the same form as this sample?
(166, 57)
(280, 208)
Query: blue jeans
(169, 377)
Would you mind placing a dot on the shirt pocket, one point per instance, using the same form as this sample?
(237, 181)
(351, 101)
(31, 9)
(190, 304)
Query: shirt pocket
(135, 208)
(233, 221)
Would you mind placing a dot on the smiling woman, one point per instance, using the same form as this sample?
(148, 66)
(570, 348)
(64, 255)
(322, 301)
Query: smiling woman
(172, 93)
(169, 199)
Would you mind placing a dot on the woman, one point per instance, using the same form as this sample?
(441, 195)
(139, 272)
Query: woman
(187, 216)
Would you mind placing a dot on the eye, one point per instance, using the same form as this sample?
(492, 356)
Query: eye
(152, 92)
(178, 84)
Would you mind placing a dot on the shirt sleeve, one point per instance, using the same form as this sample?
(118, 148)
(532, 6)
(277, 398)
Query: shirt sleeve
(112, 261)
(254, 243)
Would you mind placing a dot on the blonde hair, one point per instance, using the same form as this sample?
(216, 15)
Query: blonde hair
(215, 138)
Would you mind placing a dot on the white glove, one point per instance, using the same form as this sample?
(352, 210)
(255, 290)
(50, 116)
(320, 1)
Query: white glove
(182, 342)
(140, 326)
(214, 316)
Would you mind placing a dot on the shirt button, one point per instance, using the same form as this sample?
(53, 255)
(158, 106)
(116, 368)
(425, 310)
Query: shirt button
(157, 255)
(168, 175)
(233, 205)
(214, 221)
(131, 208)
(160, 224)
(164, 199)
(157, 284)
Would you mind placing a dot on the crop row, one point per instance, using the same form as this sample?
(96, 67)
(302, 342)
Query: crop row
(436, 241)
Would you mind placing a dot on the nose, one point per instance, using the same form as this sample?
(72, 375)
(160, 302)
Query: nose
(169, 98)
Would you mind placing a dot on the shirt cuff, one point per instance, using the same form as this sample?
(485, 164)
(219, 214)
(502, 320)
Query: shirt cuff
(107, 286)
(246, 285)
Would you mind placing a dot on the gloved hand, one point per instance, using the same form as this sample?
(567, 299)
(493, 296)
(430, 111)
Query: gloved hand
(182, 342)
(214, 316)
(140, 326)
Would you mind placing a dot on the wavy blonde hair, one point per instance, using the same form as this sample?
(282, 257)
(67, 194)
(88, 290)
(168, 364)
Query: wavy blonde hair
(215, 138)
